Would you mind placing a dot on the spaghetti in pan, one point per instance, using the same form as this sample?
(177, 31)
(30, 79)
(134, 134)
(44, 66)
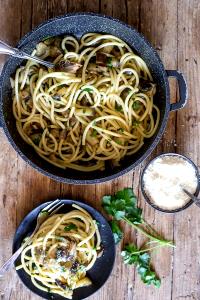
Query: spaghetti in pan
(94, 108)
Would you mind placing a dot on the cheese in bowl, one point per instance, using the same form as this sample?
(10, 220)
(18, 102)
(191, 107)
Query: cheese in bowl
(164, 179)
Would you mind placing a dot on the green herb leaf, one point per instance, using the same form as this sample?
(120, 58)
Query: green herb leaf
(132, 255)
(63, 269)
(109, 62)
(118, 142)
(136, 123)
(117, 233)
(70, 227)
(121, 130)
(123, 205)
(94, 133)
(118, 107)
(89, 90)
(136, 105)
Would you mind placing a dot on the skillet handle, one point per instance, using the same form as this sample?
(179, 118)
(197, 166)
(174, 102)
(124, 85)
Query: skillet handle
(183, 90)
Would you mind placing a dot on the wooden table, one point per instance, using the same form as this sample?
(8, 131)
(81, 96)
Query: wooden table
(173, 28)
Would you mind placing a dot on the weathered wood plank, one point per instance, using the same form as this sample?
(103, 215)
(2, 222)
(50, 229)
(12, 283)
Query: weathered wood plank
(23, 188)
(156, 22)
(187, 224)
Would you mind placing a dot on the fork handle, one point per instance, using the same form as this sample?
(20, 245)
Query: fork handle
(10, 262)
(7, 49)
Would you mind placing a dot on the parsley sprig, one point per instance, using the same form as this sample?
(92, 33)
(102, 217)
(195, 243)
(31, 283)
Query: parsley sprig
(123, 206)
(134, 256)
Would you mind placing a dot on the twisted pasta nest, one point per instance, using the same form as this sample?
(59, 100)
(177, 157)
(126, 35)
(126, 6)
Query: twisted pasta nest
(62, 251)
(96, 106)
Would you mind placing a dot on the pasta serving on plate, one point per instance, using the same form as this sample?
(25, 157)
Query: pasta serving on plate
(93, 109)
(62, 251)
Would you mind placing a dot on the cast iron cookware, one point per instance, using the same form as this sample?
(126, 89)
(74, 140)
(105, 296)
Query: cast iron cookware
(77, 25)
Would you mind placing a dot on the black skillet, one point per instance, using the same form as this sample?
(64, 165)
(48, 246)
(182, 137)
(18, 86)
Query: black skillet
(77, 25)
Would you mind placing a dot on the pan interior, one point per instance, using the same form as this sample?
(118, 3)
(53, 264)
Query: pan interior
(77, 25)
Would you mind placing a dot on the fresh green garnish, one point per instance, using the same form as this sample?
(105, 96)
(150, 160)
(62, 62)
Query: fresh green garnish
(63, 269)
(118, 107)
(70, 227)
(109, 62)
(46, 38)
(134, 256)
(121, 130)
(123, 206)
(136, 105)
(94, 133)
(136, 123)
(89, 90)
(117, 233)
(118, 142)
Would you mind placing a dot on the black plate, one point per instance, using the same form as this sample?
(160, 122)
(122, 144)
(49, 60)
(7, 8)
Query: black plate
(100, 271)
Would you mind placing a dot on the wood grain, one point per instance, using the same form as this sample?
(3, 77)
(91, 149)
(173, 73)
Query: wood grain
(173, 29)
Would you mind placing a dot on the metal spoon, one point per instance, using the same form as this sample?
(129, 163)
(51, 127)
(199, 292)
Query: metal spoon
(194, 198)
(6, 49)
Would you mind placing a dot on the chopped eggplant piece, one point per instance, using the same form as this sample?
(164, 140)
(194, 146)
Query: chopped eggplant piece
(36, 137)
(108, 49)
(67, 66)
(54, 51)
(56, 97)
(74, 267)
(101, 59)
(115, 51)
(25, 95)
(61, 284)
(145, 85)
(63, 134)
(93, 68)
(63, 255)
(42, 49)
(55, 132)
(72, 121)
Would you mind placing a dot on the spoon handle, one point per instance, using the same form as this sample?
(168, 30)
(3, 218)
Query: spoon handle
(6, 49)
(194, 198)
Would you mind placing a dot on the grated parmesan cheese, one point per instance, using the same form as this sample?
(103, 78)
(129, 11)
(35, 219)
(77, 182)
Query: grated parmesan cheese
(164, 179)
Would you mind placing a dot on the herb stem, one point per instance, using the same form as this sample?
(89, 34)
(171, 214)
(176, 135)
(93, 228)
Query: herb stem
(162, 242)
(148, 249)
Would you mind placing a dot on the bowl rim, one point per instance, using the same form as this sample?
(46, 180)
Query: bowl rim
(103, 178)
(67, 202)
(189, 203)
